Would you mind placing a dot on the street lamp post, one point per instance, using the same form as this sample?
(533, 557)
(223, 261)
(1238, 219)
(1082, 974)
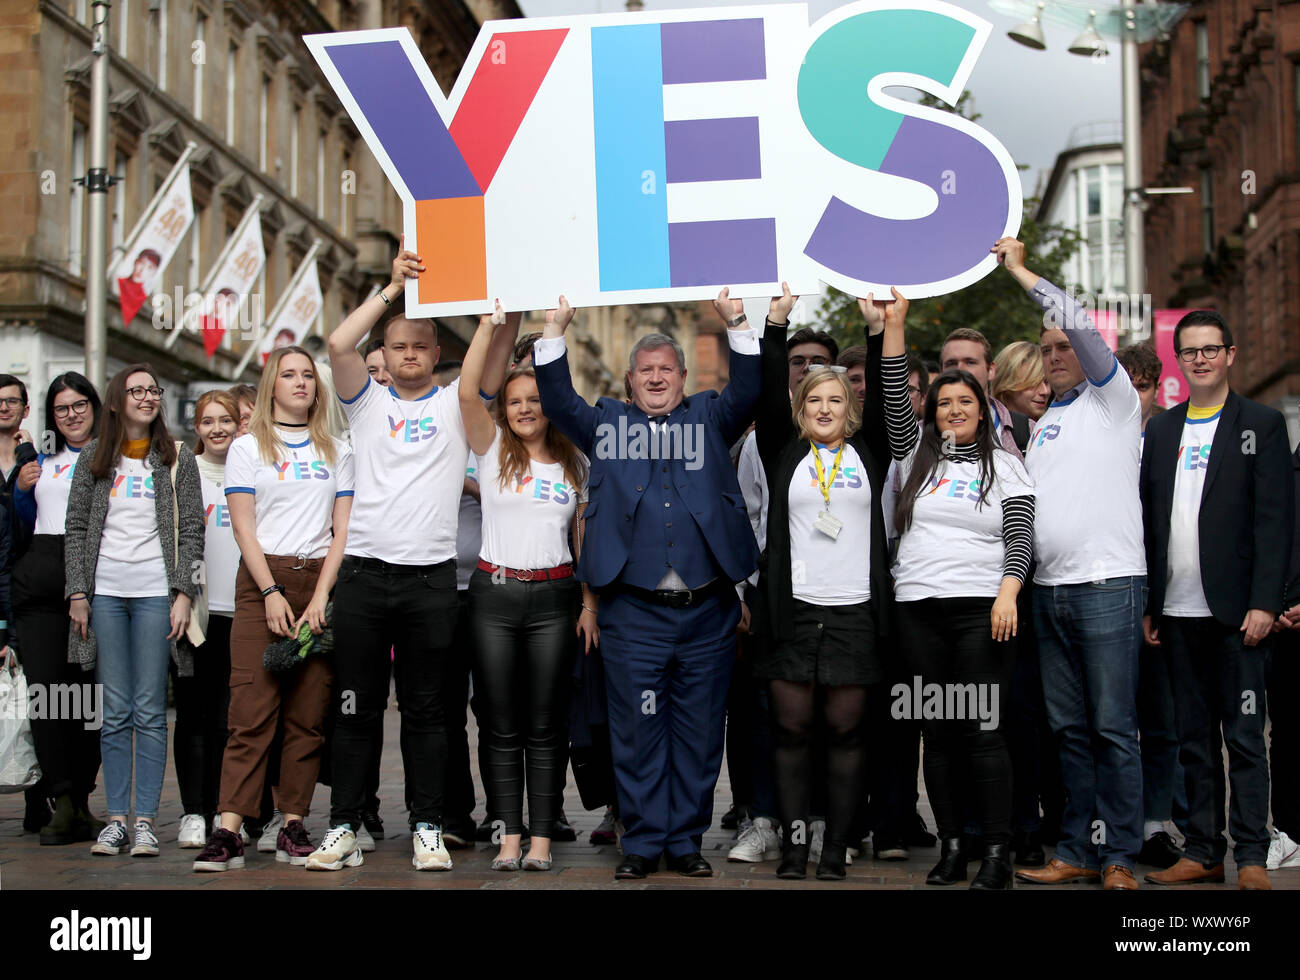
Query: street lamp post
(97, 182)
(1135, 256)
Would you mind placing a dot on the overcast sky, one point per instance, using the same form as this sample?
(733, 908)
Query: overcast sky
(1031, 100)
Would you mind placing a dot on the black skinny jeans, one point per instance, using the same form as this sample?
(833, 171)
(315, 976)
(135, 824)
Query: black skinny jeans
(524, 649)
(202, 729)
(410, 610)
(66, 748)
(947, 641)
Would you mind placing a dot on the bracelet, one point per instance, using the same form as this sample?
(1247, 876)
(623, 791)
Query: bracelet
(80, 595)
(273, 588)
(737, 321)
(588, 608)
(384, 297)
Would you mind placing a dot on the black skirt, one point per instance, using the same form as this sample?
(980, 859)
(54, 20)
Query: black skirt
(830, 645)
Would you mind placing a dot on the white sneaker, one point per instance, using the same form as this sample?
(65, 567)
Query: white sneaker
(430, 852)
(194, 830)
(758, 842)
(364, 840)
(1283, 852)
(270, 833)
(338, 849)
(816, 833)
(146, 842)
(111, 840)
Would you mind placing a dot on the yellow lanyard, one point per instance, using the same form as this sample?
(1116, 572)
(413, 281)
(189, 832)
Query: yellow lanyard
(822, 482)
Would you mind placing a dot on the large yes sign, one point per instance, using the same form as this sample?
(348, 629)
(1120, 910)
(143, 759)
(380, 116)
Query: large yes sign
(632, 158)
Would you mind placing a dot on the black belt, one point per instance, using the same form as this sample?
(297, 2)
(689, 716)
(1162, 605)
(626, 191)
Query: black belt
(677, 598)
(388, 568)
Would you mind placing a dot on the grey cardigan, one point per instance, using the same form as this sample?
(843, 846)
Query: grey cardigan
(84, 527)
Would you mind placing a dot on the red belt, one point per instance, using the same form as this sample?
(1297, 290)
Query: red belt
(528, 574)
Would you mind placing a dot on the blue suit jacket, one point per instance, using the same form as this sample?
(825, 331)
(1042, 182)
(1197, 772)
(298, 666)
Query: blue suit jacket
(616, 486)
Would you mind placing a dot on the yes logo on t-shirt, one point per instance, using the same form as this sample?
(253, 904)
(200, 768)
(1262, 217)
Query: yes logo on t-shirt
(315, 470)
(545, 490)
(957, 489)
(1047, 432)
(62, 472)
(411, 430)
(216, 515)
(1194, 457)
(132, 487)
(849, 474)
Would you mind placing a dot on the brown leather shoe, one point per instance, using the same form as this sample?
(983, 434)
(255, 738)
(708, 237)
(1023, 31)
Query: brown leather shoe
(1118, 878)
(1186, 872)
(1253, 878)
(1057, 872)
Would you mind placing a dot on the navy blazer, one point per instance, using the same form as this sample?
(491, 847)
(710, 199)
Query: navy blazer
(615, 486)
(1247, 508)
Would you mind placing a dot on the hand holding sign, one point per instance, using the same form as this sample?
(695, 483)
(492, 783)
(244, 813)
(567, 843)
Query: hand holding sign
(727, 307)
(557, 320)
(407, 265)
(779, 311)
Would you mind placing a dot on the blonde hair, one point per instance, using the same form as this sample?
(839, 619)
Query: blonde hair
(262, 426)
(223, 398)
(852, 418)
(1019, 366)
(513, 460)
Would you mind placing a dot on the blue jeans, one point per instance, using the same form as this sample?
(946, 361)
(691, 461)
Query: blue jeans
(1088, 641)
(133, 654)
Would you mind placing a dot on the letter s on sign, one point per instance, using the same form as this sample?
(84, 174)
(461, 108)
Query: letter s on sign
(932, 46)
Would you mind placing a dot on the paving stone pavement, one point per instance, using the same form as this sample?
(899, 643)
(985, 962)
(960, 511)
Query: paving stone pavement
(24, 864)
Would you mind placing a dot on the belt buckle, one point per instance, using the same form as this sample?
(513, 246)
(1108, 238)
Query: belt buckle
(302, 562)
(524, 574)
(690, 597)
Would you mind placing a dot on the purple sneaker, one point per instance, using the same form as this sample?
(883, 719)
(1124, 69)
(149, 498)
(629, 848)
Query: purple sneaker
(293, 844)
(224, 851)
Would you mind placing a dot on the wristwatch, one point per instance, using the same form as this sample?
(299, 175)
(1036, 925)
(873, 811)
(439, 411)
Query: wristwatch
(737, 321)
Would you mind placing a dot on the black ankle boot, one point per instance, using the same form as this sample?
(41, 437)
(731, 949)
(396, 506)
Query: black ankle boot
(794, 862)
(1028, 848)
(952, 864)
(995, 870)
(833, 864)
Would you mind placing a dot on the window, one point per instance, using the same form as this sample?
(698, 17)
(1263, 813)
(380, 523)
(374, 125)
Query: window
(119, 201)
(294, 126)
(232, 73)
(320, 175)
(78, 199)
(123, 26)
(198, 56)
(1202, 60)
(263, 108)
(1207, 210)
(162, 43)
(1092, 186)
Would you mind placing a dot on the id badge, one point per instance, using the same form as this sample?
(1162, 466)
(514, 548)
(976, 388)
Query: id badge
(828, 524)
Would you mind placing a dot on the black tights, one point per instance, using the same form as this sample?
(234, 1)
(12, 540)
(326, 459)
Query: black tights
(524, 649)
(792, 713)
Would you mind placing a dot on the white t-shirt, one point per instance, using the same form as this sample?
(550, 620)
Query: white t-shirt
(220, 552)
(527, 524)
(954, 545)
(130, 549)
(1184, 593)
(469, 530)
(52, 490)
(826, 571)
(410, 470)
(1083, 458)
(294, 497)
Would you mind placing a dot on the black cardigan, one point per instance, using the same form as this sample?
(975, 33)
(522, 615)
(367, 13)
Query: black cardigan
(781, 450)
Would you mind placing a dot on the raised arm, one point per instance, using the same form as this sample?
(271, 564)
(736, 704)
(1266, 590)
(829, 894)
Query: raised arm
(899, 419)
(1095, 356)
(489, 352)
(734, 409)
(346, 362)
(563, 406)
(773, 424)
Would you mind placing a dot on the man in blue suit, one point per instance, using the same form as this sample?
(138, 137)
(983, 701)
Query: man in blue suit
(667, 536)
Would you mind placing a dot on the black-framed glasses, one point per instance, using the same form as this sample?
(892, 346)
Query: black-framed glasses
(11, 402)
(76, 408)
(138, 392)
(1209, 352)
(834, 368)
(799, 361)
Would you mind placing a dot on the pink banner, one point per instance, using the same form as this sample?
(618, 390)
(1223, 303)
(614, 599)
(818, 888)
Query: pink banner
(1173, 387)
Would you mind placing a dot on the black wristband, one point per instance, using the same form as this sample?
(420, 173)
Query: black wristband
(274, 588)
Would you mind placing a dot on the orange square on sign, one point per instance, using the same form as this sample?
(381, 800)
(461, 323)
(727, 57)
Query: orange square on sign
(453, 244)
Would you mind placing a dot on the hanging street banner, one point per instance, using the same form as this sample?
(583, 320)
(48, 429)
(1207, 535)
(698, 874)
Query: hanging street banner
(659, 156)
(153, 242)
(298, 310)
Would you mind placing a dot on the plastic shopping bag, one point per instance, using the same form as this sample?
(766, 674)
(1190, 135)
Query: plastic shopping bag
(18, 767)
